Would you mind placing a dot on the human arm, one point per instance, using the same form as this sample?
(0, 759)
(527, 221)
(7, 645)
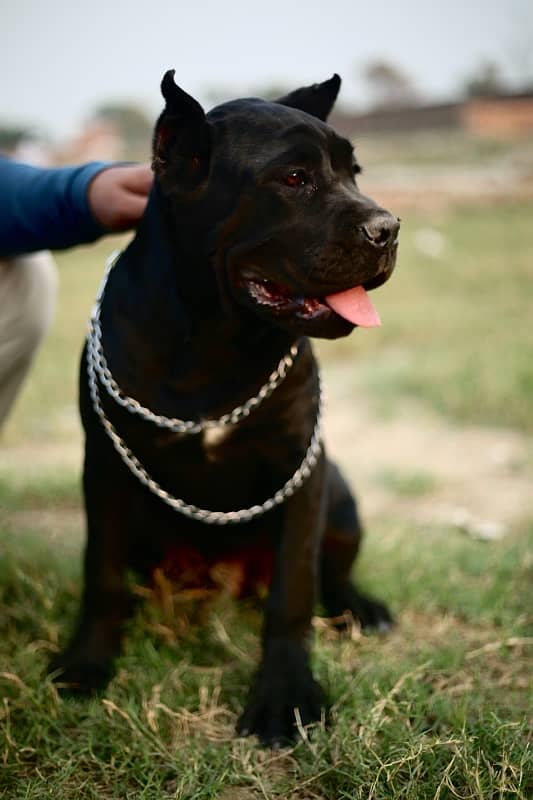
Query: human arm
(62, 207)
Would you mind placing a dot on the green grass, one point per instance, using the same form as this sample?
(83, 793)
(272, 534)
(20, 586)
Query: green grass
(456, 329)
(438, 709)
(441, 702)
(431, 150)
(407, 484)
(55, 491)
(455, 334)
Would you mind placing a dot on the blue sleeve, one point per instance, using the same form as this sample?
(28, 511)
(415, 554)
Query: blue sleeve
(45, 209)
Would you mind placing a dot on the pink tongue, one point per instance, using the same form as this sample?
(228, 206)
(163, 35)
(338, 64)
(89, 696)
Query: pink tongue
(355, 306)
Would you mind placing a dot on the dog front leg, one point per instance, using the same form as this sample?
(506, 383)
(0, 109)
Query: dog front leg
(86, 665)
(284, 686)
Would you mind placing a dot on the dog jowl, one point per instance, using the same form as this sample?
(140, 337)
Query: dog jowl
(199, 391)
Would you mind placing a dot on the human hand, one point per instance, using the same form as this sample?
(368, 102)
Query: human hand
(117, 196)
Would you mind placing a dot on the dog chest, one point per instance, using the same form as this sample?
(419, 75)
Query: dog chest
(212, 440)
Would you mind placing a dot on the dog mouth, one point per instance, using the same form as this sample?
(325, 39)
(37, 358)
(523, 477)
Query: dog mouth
(352, 304)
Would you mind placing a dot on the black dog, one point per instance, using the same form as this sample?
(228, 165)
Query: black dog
(255, 230)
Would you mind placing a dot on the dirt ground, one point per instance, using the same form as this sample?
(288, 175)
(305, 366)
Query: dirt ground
(415, 465)
(477, 478)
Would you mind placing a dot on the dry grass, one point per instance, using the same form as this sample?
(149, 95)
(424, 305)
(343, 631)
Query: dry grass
(437, 709)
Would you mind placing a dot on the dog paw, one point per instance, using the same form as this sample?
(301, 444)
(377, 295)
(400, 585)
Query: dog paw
(79, 677)
(284, 699)
(372, 614)
(368, 612)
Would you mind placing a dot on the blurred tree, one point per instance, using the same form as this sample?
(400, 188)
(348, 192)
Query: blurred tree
(486, 81)
(389, 85)
(271, 91)
(11, 137)
(220, 94)
(131, 123)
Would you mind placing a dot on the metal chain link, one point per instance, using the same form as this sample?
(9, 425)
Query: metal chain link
(97, 368)
(174, 424)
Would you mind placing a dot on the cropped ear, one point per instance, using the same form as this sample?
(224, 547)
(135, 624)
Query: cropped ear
(317, 100)
(181, 144)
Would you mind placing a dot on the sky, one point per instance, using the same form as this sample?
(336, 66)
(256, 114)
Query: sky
(61, 58)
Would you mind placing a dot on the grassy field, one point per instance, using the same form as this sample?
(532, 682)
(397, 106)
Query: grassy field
(438, 709)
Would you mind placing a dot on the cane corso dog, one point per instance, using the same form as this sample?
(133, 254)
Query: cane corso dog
(200, 393)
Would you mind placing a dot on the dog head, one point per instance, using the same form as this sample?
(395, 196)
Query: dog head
(267, 192)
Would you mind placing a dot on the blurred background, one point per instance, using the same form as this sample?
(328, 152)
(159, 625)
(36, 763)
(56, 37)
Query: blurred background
(438, 99)
(430, 415)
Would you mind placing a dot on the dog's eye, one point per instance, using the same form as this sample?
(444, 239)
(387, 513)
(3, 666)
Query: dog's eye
(296, 178)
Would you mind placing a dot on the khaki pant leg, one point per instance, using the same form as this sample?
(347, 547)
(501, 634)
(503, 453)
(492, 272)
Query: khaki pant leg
(28, 290)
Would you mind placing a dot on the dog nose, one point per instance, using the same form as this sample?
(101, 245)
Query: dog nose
(381, 230)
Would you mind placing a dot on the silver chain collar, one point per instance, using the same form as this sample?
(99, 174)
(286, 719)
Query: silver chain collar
(98, 370)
